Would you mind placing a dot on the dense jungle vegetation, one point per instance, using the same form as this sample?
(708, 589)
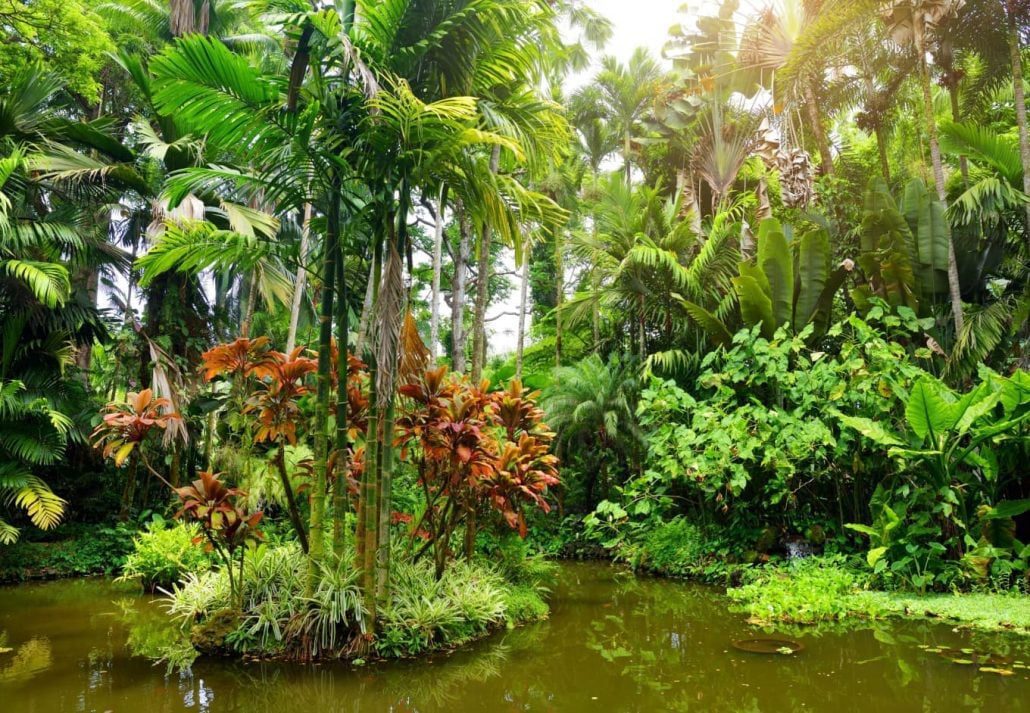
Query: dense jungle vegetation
(766, 290)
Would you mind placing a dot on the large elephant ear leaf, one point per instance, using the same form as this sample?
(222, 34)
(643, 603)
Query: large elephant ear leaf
(777, 262)
(755, 305)
(813, 273)
(927, 412)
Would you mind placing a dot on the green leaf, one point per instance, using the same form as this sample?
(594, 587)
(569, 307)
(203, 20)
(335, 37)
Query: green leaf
(777, 262)
(813, 273)
(712, 325)
(755, 305)
(927, 413)
(873, 556)
(869, 428)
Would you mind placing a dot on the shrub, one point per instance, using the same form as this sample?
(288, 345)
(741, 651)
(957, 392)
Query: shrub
(676, 548)
(163, 554)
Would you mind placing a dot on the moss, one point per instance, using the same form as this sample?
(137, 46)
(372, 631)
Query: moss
(989, 612)
(209, 636)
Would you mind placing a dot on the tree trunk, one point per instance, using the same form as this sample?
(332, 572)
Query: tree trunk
(366, 308)
(434, 308)
(248, 309)
(129, 492)
(938, 178)
(341, 462)
(816, 120)
(1020, 97)
(559, 294)
(299, 282)
(483, 287)
(523, 293)
(881, 147)
(458, 292)
(291, 500)
(316, 537)
(627, 148)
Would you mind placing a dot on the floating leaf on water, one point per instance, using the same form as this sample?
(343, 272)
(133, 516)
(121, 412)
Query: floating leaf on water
(999, 671)
(768, 646)
(964, 662)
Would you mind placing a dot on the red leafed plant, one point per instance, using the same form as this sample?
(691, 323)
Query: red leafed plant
(473, 449)
(243, 357)
(225, 524)
(124, 429)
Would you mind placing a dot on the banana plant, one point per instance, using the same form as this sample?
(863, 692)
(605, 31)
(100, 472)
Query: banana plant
(904, 246)
(779, 287)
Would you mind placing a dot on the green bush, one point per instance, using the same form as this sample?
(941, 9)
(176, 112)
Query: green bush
(163, 554)
(523, 604)
(70, 550)
(675, 548)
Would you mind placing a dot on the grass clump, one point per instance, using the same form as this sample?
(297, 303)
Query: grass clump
(423, 613)
(989, 611)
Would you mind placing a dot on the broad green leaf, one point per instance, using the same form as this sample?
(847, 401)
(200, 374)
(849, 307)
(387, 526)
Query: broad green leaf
(873, 556)
(870, 429)
(755, 305)
(777, 262)
(927, 413)
(712, 325)
(813, 273)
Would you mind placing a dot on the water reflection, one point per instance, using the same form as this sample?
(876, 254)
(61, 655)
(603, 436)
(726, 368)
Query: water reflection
(613, 643)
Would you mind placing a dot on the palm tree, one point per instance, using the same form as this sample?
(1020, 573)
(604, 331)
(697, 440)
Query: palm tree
(591, 406)
(913, 22)
(625, 91)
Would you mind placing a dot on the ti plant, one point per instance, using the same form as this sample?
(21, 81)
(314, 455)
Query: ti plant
(779, 288)
(473, 449)
(124, 430)
(946, 450)
(225, 524)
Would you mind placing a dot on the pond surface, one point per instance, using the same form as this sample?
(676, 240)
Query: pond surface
(613, 643)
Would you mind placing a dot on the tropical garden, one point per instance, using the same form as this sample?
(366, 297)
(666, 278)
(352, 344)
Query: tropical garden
(335, 329)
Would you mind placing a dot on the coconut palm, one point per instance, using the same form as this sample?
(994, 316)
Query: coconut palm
(626, 90)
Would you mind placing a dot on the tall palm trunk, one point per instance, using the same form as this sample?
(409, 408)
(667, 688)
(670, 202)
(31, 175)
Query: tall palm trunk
(627, 147)
(458, 292)
(559, 294)
(366, 308)
(434, 311)
(1020, 97)
(816, 120)
(523, 294)
(483, 286)
(250, 302)
(300, 282)
(316, 535)
(938, 177)
(341, 463)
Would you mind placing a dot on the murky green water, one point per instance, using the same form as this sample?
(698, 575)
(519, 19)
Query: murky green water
(613, 643)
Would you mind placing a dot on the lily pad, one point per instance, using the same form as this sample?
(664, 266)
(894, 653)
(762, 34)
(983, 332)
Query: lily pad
(769, 646)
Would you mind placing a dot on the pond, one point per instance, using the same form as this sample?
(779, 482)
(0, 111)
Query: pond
(613, 643)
